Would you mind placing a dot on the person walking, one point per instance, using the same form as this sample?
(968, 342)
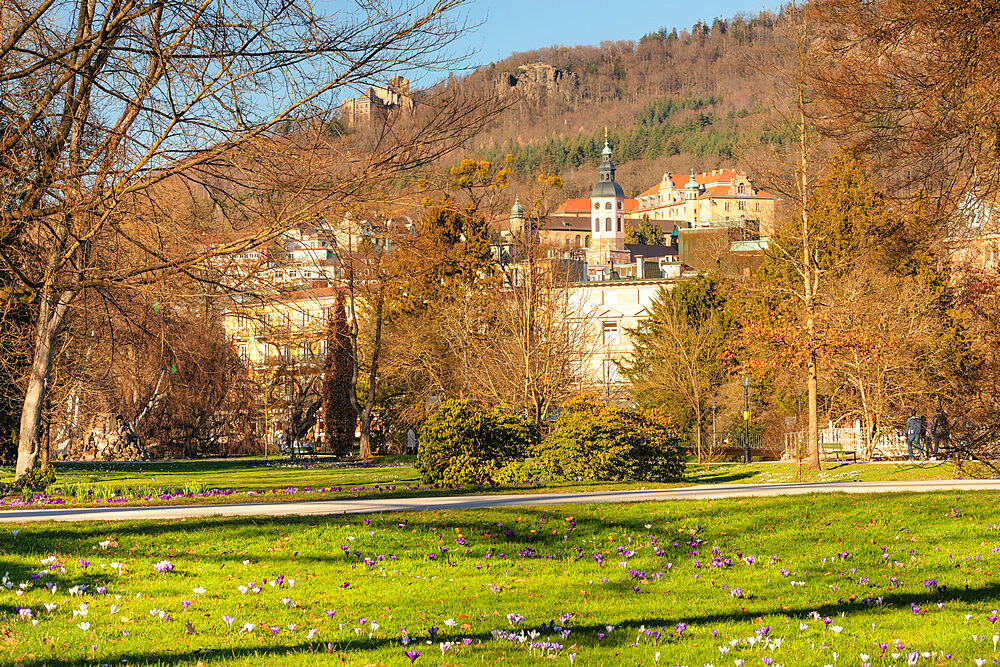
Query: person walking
(939, 429)
(914, 429)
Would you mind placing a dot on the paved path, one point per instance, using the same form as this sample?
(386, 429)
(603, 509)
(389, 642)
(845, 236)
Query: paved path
(326, 507)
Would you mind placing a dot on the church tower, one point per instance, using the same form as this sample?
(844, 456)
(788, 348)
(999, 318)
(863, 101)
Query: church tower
(607, 203)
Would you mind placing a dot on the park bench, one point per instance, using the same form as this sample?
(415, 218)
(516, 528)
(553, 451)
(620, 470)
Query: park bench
(299, 450)
(837, 451)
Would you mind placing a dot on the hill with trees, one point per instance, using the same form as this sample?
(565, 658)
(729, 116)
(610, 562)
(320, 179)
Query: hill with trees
(670, 101)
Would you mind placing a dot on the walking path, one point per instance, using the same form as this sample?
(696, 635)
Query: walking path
(375, 505)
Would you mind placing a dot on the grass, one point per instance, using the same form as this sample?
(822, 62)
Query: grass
(95, 484)
(911, 570)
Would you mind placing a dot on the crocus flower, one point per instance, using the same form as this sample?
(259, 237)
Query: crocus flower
(228, 620)
(163, 566)
(412, 655)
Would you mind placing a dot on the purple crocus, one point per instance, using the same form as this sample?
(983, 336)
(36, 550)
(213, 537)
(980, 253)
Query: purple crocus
(84, 564)
(412, 655)
(680, 628)
(185, 604)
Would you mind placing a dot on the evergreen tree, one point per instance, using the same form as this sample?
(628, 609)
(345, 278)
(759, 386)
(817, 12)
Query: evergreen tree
(646, 234)
(338, 412)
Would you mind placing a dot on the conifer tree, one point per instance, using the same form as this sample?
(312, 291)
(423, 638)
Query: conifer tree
(339, 415)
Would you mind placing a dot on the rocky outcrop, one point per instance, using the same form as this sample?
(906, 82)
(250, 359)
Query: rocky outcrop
(109, 438)
(536, 80)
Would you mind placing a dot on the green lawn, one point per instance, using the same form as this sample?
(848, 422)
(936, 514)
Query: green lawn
(798, 581)
(257, 480)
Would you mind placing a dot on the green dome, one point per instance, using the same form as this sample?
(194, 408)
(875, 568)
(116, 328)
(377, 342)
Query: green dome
(692, 184)
(517, 211)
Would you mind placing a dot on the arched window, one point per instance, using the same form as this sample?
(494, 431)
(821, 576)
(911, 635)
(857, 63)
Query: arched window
(607, 205)
(597, 225)
(577, 240)
(607, 225)
(586, 241)
(619, 223)
(740, 189)
(619, 206)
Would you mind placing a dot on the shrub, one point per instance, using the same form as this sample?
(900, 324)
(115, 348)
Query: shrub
(38, 479)
(463, 444)
(520, 472)
(597, 442)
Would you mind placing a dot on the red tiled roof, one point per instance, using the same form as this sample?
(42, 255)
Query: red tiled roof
(716, 191)
(578, 205)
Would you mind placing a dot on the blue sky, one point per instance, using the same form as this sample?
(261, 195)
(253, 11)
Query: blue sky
(520, 25)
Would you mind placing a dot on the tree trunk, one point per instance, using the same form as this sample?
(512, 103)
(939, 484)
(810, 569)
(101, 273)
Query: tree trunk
(365, 447)
(697, 431)
(813, 456)
(50, 318)
(810, 278)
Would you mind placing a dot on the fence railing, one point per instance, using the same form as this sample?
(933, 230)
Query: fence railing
(890, 444)
(729, 445)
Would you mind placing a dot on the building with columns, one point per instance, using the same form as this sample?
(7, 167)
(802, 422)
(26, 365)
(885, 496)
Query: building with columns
(714, 198)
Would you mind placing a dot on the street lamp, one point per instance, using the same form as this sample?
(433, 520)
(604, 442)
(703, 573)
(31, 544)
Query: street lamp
(745, 381)
(714, 443)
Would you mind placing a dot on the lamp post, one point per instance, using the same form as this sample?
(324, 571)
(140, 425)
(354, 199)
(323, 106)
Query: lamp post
(745, 381)
(714, 443)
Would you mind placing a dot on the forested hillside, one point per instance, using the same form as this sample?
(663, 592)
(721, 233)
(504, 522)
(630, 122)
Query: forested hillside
(670, 101)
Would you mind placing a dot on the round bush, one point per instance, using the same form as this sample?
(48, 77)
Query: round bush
(464, 444)
(596, 442)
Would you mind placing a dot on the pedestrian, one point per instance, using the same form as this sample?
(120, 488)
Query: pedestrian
(925, 439)
(411, 441)
(939, 429)
(914, 429)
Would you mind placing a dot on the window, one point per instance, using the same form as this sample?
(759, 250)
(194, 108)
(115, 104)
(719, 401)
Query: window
(610, 372)
(726, 207)
(242, 351)
(607, 205)
(609, 333)
(619, 206)
(577, 240)
(741, 205)
(619, 224)
(756, 206)
(597, 225)
(607, 225)
(741, 189)
(586, 241)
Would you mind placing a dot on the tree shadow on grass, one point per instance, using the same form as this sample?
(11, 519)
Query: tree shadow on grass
(585, 635)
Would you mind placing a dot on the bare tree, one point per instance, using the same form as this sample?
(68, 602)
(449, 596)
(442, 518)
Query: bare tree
(104, 104)
(792, 171)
